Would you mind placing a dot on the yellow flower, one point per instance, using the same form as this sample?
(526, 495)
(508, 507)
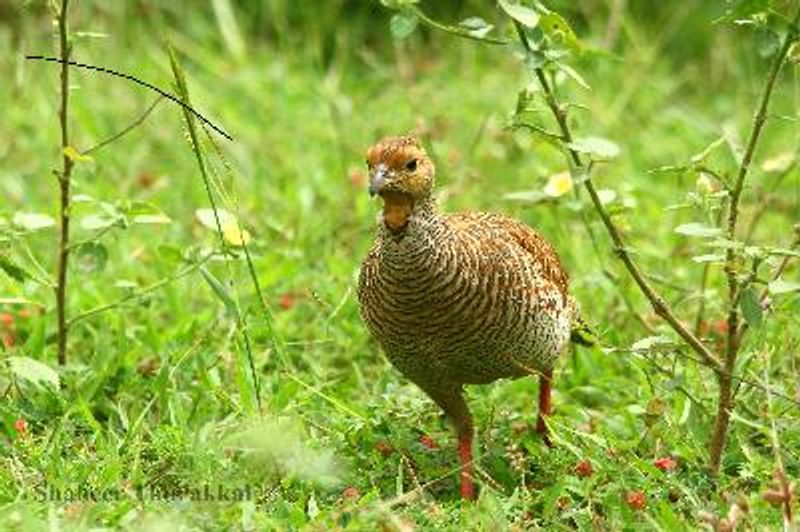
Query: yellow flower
(75, 155)
(234, 235)
(558, 184)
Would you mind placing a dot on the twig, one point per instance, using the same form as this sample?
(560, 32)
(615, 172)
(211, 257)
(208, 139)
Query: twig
(140, 293)
(660, 306)
(128, 129)
(537, 129)
(722, 421)
(136, 80)
(453, 29)
(64, 185)
(742, 381)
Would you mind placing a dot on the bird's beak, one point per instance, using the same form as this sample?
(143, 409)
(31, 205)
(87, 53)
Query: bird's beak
(376, 180)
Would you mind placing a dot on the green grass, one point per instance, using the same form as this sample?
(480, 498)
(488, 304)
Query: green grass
(158, 392)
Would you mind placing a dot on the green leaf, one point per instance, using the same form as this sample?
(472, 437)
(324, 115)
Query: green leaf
(606, 195)
(149, 219)
(779, 163)
(33, 371)
(476, 26)
(743, 9)
(170, 253)
(398, 4)
(207, 219)
(650, 342)
(37, 340)
(783, 287)
(231, 229)
(221, 292)
(524, 15)
(12, 270)
(572, 73)
(403, 24)
(559, 31)
(596, 147)
(711, 257)
(95, 222)
(751, 308)
(33, 221)
(697, 229)
(528, 196)
(92, 257)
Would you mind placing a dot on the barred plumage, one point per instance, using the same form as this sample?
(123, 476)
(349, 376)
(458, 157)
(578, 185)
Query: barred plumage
(458, 299)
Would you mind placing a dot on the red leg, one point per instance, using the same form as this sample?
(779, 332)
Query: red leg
(545, 405)
(465, 454)
(451, 399)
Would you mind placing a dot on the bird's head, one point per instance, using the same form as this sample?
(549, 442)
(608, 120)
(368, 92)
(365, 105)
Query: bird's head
(401, 173)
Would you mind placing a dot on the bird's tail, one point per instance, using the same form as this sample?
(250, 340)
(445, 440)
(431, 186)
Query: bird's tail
(582, 334)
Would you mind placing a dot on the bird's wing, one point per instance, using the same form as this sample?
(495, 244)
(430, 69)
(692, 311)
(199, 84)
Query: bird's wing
(499, 226)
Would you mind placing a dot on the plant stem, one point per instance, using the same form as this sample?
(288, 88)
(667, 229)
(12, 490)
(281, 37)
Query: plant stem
(183, 93)
(659, 304)
(719, 435)
(64, 183)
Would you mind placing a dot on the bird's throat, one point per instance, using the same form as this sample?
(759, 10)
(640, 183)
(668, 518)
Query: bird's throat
(397, 208)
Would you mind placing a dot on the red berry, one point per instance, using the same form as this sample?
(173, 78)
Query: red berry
(6, 319)
(351, 492)
(666, 463)
(287, 301)
(428, 442)
(636, 500)
(21, 426)
(584, 469)
(384, 448)
(721, 327)
(358, 179)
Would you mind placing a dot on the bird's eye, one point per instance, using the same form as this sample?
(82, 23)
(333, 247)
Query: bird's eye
(411, 165)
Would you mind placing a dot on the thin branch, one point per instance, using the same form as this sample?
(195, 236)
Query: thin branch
(659, 304)
(742, 381)
(128, 129)
(64, 185)
(134, 79)
(454, 30)
(140, 293)
(536, 129)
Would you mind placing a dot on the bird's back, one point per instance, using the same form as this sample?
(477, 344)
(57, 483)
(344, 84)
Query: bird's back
(467, 298)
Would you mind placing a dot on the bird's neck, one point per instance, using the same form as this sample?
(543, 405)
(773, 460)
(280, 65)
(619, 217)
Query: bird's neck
(404, 216)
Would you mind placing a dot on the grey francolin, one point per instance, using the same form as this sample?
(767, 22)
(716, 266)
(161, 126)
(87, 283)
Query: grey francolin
(457, 299)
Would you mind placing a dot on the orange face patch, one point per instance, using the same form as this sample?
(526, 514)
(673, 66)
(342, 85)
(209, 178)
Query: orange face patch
(396, 210)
